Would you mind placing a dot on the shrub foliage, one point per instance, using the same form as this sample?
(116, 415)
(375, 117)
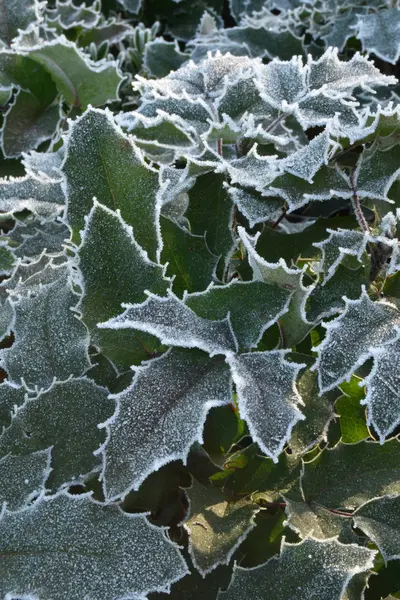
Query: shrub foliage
(200, 300)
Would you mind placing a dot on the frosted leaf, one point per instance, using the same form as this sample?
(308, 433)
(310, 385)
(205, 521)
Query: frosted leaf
(35, 237)
(28, 123)
(65, 417)
(50, 340)
(216, 527)
(267, 396)
(189, 259)
(28, 278)
(379, 519)
(318, 411)
(254, 206)
(44, 163)
(66, 15)
(161, 57)
(383, 385)
(340, 243)
(367, 470)
(176, 325)
(103, 162)
(10, 397)
(308, 160)
(353, 337)
(22, 478)
(160, 416)
(17, 14)
(6, 318)
(253, 306)
(377, 170)
(131, 557)
(42, 196)
(114, 269)
(311, 569)
(80, 80)
(379, 33)
(132, 6)
(294, 325)
(316, 521)
(327, 298)
(240, 7)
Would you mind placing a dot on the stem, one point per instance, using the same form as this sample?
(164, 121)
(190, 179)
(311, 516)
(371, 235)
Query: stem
(355, 201)
(279, 219)
(220, 146)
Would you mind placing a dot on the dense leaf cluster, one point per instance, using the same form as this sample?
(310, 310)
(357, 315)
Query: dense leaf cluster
(200, 300)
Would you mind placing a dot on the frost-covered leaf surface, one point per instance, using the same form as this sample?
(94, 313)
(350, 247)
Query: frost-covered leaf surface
(319, 569)
(38, 424)
(66, 564)
(177, 389)
(216, 527)
(200, 286)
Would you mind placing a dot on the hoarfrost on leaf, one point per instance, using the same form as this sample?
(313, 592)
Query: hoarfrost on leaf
(22, 478)
(352, 338)
(267, 396)
(311, 569)
(64, 417)
(380, 520)
(99, 552)
(176, 325)
(160, 416)
(216, 527)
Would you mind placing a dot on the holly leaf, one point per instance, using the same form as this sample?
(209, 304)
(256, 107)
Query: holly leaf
(378, 32)
(17, 15)
(114, 269)
(351, 338)
(318, 412)
(66, 15)
(102, 162)
(379, 519)
(22, 478)
(334, 249)
(45, 321)
(189, 259)
(176, 325)
(267, 397)
(366, 469)
(66, 564)
(10, 396)
(162, 57)
(316, 568)
(40, 195)
(216, 527)
(65, 418)
(352, 415)
(145, 433)
(80, 80)
(253, 306)
(382, 389)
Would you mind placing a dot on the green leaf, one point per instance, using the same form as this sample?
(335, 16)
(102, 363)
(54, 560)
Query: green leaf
(162, 57)
(378, 32)
(311, 569)
(81, 81)
(92, 554)
(45, 321)
(160, 416)
(176, 325)
(114, 269)
(313, 520)
(253, 306)
(268, 399)
(351, 338)
(318, 411)
(66, 15)
(210, 212)
(22, 478)
(379, 519)
(65, 417)
(351, 413)
(366, 469)
(188, 258)
(102, 162)
(42, 196)
(216, 527)
(27, 124)
(16, 15)
(11, 396)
